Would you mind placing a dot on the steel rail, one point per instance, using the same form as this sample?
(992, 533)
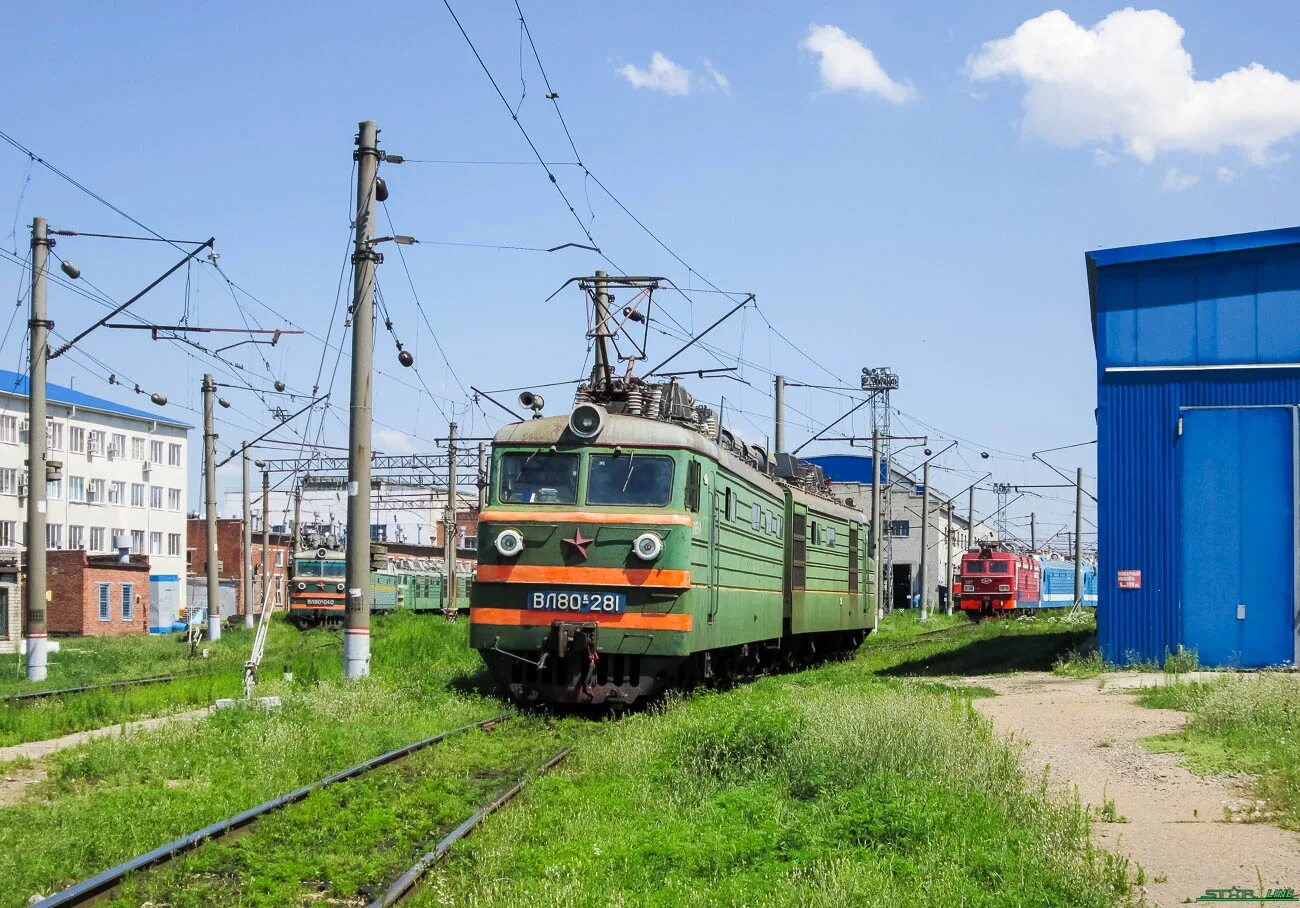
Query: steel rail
(90, 889)
(407, 881)
(108, 685)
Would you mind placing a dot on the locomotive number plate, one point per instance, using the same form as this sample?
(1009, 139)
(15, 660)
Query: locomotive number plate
(577, 601)
(311, 600)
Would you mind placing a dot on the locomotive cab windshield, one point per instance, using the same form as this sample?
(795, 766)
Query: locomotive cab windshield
(539, 477)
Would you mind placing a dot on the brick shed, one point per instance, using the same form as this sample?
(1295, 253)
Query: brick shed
(97, 595)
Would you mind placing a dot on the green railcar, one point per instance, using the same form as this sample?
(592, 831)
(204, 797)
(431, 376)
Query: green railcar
(621, 554)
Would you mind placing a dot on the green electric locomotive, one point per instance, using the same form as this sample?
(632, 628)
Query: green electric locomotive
(634, 545)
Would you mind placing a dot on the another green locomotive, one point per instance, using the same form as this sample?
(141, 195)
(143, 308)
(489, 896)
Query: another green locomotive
(633, 546)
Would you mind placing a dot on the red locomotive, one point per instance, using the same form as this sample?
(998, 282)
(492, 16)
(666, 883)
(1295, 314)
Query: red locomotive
(998, 582)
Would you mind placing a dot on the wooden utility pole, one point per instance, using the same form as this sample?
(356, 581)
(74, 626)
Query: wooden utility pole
(356, 615)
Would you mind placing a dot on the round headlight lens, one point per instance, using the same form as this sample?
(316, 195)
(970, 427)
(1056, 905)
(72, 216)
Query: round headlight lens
(509, 543)
(301, 586)
(585, 420)
(339, 587)
(647, 547)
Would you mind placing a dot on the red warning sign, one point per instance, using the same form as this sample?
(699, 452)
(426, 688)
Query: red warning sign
(1129, 580)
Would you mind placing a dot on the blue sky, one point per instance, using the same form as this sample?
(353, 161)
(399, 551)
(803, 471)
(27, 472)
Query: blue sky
(926, 206)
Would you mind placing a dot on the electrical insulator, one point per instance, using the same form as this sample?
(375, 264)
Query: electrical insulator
(405, 358)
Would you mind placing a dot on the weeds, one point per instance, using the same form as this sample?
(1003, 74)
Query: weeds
(1249, 723)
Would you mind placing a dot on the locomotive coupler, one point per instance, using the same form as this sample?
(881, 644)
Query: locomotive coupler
(571, 636)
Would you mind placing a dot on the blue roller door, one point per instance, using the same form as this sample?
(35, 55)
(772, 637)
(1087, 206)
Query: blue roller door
(1237, 535)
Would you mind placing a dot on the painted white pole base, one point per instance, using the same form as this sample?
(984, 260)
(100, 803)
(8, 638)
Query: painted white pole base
(214, 629)
(37, 663)
(356, 654)
(248, 619)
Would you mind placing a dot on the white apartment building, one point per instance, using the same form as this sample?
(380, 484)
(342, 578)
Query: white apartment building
(123, 483)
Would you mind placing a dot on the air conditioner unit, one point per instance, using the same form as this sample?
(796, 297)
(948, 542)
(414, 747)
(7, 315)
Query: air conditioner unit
(24, 425)
(91, 497)
(147, 466)
(114, 452)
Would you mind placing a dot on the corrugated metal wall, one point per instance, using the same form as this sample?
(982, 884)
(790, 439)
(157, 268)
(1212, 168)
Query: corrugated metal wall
(1138, 482)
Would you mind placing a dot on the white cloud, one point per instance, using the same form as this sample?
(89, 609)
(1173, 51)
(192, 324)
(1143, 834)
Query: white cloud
(391, 441)
(847, 64)
(663, 75)
(1103, 158)
(1129, 80)
(720, 82)
(1225, 174)
(1177, 180)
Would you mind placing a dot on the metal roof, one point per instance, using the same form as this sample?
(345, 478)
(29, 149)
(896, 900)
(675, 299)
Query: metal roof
(16, 383)
(1232, 242)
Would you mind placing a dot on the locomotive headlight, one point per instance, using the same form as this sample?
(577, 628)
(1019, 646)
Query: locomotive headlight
(647, 546)
(509, 543)
(585, 420)
(339, 587)
(301, 586)
(1004, 587)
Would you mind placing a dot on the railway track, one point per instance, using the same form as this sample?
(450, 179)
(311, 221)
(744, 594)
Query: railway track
(918, 639)
(405, 885)
(110, 685)
(96, 887)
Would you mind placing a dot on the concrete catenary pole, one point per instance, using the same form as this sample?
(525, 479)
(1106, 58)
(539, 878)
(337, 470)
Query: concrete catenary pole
(603, 370)
(1078, 537)
(210, 506)
(876, 528)
(267, 585)
(951, 592)
(356, 616)
(35, 628)
(922, 578)
(778, 421)
(1033, 534)
(297, 518)
(246, 567)
(482, 477)
(449, 526)
(970, 517)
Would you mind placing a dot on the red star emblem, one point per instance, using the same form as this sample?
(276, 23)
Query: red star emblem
(579, 544)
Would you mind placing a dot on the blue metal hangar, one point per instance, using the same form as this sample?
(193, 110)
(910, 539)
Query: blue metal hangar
(1198, 456)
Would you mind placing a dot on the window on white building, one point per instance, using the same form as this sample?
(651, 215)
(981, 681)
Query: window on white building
(97, 543)
(117, 445)
(76, 536)
(96, 442)
(76, 488)
(137, 447)
(156, 451)
(173, 499)
(112, 542)
(137, 542)
(174, 455)
(155, 543)
(8, 532)
(54, 536)
(156, 497)
(137, 494)
(8, 480)
(116, 490)
(54, 489)
(54, 435)
(128, 602)
(173, 543)
(76, 440)
(9, 429)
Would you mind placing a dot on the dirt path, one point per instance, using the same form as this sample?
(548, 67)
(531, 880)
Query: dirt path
(15, 780)
(1176, 827)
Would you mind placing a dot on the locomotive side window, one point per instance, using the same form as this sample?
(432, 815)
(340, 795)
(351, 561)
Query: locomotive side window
(756, 516)
(693, 486)
(830, 536)
(730, 505)
(630, 479)
(539, 478)
(813, 537)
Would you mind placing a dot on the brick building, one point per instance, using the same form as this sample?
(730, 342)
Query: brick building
(97, 595)
(230, 559)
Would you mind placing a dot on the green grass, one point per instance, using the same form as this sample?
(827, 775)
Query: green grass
(830, 787)
(863, 782)
(1249, 724)
(113, 798)
(98, 660)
